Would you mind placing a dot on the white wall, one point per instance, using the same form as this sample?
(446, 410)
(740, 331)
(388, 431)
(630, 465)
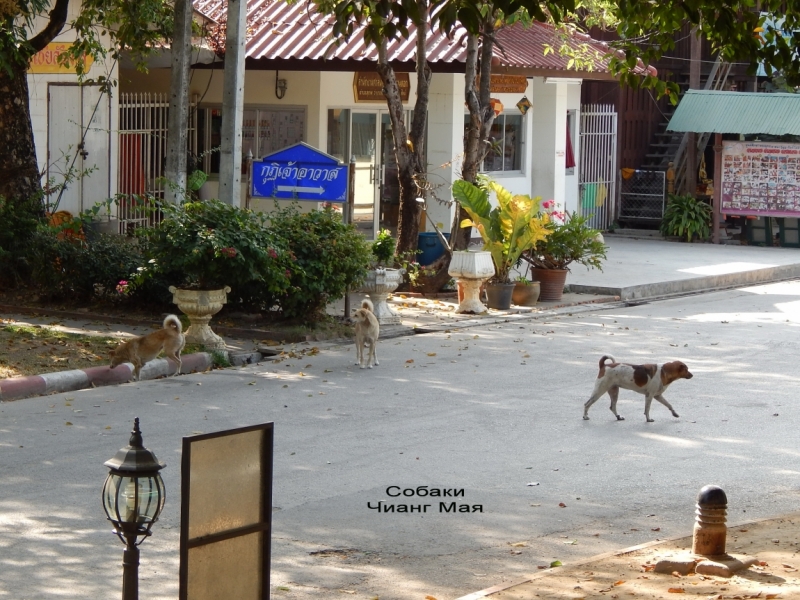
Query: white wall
(571, 183)
(551, 102)
(445, 141)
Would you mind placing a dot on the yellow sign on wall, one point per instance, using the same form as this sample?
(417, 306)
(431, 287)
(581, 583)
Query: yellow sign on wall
(46, 61)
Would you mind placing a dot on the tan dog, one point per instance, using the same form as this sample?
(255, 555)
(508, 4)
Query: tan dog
(145, 348)
(367, 331)
(650, 380)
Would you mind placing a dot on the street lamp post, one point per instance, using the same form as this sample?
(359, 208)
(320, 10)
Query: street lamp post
(133, 497)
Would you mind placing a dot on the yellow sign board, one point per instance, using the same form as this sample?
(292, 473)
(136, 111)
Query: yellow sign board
(368, 87)
(46, 61)
(509, 84)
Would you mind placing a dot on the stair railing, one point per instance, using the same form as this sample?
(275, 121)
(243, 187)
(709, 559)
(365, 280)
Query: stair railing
(717, 79)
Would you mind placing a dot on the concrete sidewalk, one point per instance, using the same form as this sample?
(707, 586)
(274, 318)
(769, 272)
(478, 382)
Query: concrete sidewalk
(639, 268)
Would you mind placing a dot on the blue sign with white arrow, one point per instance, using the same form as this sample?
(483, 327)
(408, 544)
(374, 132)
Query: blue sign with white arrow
(300, 172)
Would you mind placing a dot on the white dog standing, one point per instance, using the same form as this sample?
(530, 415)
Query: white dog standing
(367, 331)
(650, 380)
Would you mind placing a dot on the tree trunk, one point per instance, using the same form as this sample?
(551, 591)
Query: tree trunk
(408, 146)
(20, 181)
(478, 69)
(19, 170)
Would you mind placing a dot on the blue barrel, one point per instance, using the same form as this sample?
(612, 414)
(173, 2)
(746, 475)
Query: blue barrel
(431, 247)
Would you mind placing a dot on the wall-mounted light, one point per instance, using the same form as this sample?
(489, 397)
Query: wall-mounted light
(280, 87)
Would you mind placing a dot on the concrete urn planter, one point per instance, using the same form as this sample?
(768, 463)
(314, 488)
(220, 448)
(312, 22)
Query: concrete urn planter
(200, 306)
(379, 284)
(471, 269)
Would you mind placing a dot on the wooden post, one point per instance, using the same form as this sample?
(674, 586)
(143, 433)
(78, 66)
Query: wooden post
(690, 175)
(717, 201)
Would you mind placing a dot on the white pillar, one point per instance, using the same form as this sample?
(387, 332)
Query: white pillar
(230, 167)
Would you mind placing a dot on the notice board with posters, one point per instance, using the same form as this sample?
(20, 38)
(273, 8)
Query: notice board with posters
(760, 178)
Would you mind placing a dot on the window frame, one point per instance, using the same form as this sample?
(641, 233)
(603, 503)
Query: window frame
(204, 144)
(522, 145)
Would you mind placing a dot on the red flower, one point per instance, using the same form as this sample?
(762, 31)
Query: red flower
(272, 253)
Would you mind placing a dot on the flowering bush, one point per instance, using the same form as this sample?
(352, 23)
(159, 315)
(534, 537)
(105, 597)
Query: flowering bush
(383, 248)
(570, 240)
(208, 245)
(328, 255)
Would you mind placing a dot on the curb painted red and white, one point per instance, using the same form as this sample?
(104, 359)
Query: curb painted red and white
(80, 379)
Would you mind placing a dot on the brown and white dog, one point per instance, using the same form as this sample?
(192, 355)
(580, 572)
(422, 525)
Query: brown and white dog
(367, 331)
(145, 348)
(650, 380)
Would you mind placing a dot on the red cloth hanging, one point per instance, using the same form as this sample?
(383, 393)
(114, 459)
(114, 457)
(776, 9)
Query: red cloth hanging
(569, 158)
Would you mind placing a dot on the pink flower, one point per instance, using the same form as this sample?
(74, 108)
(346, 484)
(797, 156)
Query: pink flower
(547, 204)
(272, 253)
(288, 273)
(229, 252)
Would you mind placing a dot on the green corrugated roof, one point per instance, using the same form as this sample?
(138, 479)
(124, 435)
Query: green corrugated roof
(737, 112)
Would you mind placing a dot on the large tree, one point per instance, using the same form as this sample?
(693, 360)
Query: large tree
(100, 28)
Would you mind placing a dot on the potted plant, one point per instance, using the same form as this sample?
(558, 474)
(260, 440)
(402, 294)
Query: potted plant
(526, 292)
(382, 279)
(570, 240)
(508, 229)
(687, 217)
(206, 249)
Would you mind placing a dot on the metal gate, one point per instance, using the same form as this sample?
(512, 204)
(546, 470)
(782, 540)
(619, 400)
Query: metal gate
(142, 155)
(597, 177)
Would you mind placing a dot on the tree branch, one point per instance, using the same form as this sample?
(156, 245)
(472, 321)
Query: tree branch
(58, 18)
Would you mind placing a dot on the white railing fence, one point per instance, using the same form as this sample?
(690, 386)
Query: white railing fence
(597, 176)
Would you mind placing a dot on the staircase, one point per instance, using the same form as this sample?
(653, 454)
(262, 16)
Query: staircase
(670, 146)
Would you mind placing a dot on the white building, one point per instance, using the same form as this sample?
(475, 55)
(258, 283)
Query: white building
(300, 88)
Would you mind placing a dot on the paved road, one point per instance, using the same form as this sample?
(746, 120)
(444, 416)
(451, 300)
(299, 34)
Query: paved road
(488, 410)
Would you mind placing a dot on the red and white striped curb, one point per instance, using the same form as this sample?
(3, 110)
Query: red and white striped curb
(79, 379)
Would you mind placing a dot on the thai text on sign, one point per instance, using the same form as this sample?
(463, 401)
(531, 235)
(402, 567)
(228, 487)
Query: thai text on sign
(368, 87)
(46, 61)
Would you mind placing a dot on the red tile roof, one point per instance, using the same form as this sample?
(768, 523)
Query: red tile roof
(295, 36)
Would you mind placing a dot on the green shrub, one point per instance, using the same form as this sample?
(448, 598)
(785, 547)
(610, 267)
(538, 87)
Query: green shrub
(73, 268)
(19, 223)
(383, 248)
(685, 216)
(208, 245)
(329, 258)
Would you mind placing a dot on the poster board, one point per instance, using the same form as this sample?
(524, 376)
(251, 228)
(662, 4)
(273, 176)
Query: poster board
(226, 514)
(761, 179)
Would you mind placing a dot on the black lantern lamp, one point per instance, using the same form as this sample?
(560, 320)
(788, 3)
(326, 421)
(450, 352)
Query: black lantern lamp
(133, 497)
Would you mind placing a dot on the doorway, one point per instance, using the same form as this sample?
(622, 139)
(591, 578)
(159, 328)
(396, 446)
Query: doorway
(78, 146)
(366, 136)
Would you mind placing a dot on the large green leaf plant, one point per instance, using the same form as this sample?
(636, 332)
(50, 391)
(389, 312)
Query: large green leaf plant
(508, 229)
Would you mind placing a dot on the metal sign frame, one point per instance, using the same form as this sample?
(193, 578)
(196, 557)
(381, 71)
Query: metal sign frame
(299, 172)
(262, 525)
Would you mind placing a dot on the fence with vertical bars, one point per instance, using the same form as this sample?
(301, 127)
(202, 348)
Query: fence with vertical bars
(142, 156)
(597, 179)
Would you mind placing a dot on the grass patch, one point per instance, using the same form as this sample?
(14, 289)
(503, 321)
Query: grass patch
(35, 349)
(32, 350)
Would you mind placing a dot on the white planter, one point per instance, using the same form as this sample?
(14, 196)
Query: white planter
(200, 306)
(378, 285)
(471, 269)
